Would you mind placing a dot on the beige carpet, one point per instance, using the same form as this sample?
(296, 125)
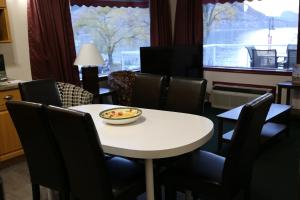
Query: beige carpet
(17, 184)
(16, 180)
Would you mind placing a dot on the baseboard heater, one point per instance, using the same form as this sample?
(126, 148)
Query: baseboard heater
(229, 95)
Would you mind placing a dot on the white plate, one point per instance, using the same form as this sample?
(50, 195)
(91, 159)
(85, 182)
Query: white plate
(121, 115)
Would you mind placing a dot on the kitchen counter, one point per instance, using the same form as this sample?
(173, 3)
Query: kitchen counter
(10, 84)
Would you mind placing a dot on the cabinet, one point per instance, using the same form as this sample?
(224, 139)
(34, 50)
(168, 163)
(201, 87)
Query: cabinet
(10, 145)
(2, 3)
(4, 23)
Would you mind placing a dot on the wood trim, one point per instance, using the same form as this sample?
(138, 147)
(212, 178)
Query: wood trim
(5, 35)
(249, 71)
(14, 94)
(2, 3)
(11, 155)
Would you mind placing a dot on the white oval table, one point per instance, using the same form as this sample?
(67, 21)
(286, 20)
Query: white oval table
(156, 134)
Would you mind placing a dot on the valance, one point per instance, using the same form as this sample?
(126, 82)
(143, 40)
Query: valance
(223, 1)
(112, 3)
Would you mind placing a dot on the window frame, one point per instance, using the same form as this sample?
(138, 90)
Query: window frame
(244, 70)
(249, 70)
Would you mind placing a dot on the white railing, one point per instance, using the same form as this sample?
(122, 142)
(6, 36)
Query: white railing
(235, 55)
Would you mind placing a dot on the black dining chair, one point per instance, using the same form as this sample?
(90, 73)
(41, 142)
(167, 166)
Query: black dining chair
(147, 89)
(40, 91)
(90, 82)
(215, 177)
(44, 160)
(91, 176)
(186, 95)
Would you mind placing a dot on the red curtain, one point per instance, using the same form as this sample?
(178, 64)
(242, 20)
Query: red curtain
(188, 22)
(51, 42)
(112, 3)
(223, 1)
(298, 44)
(160, 23)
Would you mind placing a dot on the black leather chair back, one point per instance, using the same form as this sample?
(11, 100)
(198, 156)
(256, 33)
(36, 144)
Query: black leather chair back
(186, 95)
(41, 150)
(146, 91)
(244, 145)
(40, 91)
(77, 137)
(90, 79)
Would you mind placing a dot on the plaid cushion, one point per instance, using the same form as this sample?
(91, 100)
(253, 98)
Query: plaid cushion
(72, 95)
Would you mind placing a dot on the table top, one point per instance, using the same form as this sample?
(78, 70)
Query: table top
(9, 85)
(275, 110)
(156, 134)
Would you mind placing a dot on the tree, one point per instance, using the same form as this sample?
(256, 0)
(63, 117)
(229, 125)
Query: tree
(214, 14)
(110, 28)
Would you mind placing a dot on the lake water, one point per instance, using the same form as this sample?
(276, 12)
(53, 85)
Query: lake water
(229, 49)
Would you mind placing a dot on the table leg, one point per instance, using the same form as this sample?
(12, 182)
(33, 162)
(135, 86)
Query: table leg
(220, 133)
(149, 179)
(288, 96)
(279, 94)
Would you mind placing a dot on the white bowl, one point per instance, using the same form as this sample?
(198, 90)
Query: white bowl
(120, 115)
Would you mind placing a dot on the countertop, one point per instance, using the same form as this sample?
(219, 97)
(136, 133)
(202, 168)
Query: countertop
(9, 84)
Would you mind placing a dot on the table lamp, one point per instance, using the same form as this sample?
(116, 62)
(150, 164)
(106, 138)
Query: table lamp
(89, 58)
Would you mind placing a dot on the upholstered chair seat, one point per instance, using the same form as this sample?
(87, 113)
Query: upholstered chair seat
(211, 176)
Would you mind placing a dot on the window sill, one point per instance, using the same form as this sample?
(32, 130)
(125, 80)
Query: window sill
(279, 72)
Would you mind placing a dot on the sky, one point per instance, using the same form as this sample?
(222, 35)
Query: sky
(277, 8)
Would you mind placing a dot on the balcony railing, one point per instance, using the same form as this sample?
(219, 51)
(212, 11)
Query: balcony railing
(236, 55)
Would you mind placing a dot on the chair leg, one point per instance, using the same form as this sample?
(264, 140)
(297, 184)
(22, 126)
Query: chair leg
(64, 195)
(247, 194)
(157, 192)
(195, 195)
(170, 192)
(35, 191)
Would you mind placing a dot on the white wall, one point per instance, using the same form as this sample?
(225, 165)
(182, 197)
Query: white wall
(255, 79)
(16, 53)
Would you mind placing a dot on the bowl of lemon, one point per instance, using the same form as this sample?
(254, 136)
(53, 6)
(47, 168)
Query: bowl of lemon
(120, 115)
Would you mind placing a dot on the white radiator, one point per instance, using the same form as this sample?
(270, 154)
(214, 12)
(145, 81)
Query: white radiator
(229, 100)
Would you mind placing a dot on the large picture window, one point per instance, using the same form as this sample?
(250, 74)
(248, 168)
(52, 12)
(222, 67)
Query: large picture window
(118, 32)
(257, 34)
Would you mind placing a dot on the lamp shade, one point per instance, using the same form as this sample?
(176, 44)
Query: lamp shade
(89, 56)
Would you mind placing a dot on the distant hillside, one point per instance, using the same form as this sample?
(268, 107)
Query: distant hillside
(253, 19)
(287, 19)
(288, 16)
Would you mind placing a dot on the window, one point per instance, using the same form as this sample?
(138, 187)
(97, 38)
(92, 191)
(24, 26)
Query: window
(118, 32)
(258, 34)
